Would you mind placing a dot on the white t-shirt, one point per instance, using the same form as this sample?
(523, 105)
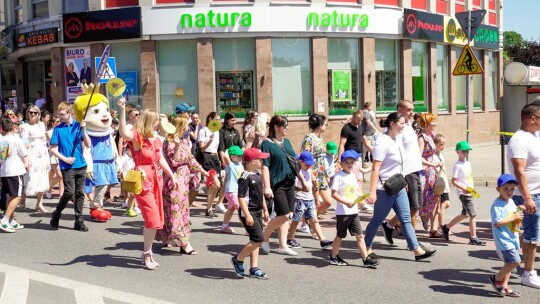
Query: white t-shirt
(307, 177)
(204, 136)
(412, 150)
(12, 152)
(391, 153)
(346, 186)
(463, 174)
(526, 145)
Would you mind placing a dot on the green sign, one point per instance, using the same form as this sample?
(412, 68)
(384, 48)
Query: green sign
(212, 19)
(341, 85)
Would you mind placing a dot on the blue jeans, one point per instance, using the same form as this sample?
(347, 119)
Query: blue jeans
(381, 209)
(531, 222)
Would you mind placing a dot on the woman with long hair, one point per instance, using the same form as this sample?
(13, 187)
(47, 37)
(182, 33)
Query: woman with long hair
(34, 132)
(248, 129)
(176, 230)
(388, 156)
(146, 150)
(55, 175)
(261, 130)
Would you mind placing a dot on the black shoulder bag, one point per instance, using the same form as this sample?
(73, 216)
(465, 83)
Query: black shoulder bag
(396, 182)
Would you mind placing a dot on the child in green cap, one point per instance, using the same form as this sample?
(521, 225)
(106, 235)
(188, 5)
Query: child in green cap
(232, 173)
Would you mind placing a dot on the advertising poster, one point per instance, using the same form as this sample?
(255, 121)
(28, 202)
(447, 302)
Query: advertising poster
(130, 78)
(341, 85)
(78, 69)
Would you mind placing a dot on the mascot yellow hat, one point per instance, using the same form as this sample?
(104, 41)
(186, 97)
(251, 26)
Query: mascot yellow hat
(81, 102)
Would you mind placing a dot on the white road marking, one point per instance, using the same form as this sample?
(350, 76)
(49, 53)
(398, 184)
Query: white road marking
(15, 287)
(17, 280)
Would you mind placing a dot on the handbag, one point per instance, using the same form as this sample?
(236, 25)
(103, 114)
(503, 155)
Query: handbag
(396, 182)
(133, 181)
(440, 182)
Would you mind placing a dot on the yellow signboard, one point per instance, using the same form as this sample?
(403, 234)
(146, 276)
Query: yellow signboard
(453, 33)
(467, 63)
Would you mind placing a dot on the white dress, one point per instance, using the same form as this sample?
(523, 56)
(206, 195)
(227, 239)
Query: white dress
(38, 158)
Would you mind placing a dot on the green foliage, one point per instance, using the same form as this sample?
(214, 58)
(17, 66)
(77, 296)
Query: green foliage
(292, 113)
(511, 39)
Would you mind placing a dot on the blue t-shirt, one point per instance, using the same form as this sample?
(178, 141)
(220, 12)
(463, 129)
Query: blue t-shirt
(504, 238)
(64, 137)
(233, 171)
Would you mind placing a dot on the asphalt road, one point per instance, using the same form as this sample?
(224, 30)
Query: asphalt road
(39, 265)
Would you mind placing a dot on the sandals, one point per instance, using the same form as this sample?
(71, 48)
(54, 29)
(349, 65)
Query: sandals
(118, 198)
(511, 293)
(258, 274)
(148, 261)
(435, 234)
(192, 252)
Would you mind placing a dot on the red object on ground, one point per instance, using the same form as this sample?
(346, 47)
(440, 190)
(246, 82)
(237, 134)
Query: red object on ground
(100, 215)
(210, 179)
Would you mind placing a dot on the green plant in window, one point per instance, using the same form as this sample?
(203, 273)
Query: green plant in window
(292, 113)
(460, 107)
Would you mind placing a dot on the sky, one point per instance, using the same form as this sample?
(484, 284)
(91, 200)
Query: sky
(520, 16)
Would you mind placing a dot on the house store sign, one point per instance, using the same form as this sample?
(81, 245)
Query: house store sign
(36, 38)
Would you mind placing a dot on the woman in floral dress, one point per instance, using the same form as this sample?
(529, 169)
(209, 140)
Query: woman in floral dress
(314, 143)
(426, 142)
(176, 229)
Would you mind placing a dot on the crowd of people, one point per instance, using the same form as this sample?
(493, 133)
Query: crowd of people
(257, 171)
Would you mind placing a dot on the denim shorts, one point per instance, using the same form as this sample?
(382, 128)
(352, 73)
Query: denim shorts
(468, 205)
(531, 222)
(511, 256)
(304, 208)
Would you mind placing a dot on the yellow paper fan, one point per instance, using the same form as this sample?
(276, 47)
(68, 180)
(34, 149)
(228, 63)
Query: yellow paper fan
(214, 125)
(116, 86)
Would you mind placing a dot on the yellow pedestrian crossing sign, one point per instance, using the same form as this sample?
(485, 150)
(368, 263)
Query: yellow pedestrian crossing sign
(467, 63)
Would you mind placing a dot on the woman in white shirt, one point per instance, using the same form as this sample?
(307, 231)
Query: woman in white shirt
(388, 156)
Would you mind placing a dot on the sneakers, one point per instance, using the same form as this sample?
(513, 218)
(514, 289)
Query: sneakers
(6, 227)
(131, 213)
(325, 244)
(477, 241)
(238, 266)
(370, 262)
(137, 210)
(55, 220)
(366, 209)
(427, 254)
(498, 289)
(48, 194)
(265, 247)
(374, 256)
(220, 208)
(293, 244)
(387, 232)
(338, 261)
(210, 214)
(446, 232)
(305, 229)
(80, 226)
(124, 205)
(226, 229)
(16, 225)
(531, 279)
(287, 251)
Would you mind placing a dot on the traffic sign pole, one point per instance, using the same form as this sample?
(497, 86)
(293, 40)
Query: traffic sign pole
(467, 83)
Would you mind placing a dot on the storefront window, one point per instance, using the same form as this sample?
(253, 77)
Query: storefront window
(492, 75)
(460, 81)
(235, 69)
(18, 12)
(177, 74)
(442, 78)
(36, 79)
(343, 76)
(420, 76)
(386, 71)
(128, 68)
(291, 76)
(477, 85)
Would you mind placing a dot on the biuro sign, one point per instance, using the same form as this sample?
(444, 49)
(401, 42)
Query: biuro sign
(37, 38)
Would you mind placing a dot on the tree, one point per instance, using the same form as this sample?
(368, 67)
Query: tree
(511, 38)
(528, 53)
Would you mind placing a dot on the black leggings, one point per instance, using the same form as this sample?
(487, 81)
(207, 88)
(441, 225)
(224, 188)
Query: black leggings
(284, 195)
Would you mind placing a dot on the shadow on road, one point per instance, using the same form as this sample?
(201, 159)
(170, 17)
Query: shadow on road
(460, 281)
(104, 260)
(214, 273)
(230, 249)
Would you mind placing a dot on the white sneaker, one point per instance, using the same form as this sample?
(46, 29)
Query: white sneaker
(6, 227)
(137, 210)
(287, 251)
(265, 246)
(48, 194)
(220, 208)
(15, 225)
(305, 229)
(530, 279)
(366, 209)
(124, 205)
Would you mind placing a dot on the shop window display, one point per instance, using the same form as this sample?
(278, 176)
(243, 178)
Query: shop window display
(386, 72)
(492, 75)
(420, 76)
(343, 76)
(442, 78)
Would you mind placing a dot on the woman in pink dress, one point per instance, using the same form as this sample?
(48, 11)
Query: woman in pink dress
(176, 230)
(146, 150)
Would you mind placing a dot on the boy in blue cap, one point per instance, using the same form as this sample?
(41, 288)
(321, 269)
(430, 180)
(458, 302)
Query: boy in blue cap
(345, 190)
(305, 204)
(505, 222)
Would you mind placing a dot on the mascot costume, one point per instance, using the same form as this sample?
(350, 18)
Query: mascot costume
(101, 157)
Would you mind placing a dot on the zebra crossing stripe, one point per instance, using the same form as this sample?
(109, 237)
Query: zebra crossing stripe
(15, 289)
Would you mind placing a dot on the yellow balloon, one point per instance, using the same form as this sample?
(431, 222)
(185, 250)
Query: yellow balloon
(116, 86)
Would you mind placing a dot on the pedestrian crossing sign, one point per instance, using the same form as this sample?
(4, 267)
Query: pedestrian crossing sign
(110, 69)
(467, 63)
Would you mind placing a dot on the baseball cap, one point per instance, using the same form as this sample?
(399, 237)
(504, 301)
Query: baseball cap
(506, 178)
(183, 107)
(463, 146)
(235, 150)
(350, 154)
(331, 147)
(307, 158)
(254, 153)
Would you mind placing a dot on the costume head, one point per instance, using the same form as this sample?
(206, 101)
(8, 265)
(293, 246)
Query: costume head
(98, 117)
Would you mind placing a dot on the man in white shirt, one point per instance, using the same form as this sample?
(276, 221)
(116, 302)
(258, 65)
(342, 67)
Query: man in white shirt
(412, 165)
(524, 163)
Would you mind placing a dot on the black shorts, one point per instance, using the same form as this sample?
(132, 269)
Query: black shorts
(350, 222)
(13, 185)
(284, 197)
(415, 190)
(211, 161)
(445, 197)
(256, 231)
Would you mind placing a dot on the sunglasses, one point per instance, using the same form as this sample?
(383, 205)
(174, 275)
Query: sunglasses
(33, 113)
